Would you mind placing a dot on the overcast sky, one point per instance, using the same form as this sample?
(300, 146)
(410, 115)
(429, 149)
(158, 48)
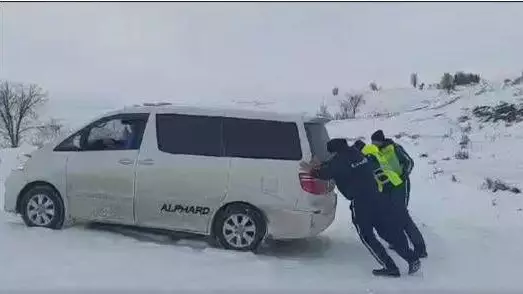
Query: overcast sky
(152, 51)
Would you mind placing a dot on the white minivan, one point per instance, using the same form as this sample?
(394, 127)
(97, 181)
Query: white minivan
(230, 174)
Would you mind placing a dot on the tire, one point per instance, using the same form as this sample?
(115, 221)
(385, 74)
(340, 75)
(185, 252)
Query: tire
(239, 227)
(42, 206)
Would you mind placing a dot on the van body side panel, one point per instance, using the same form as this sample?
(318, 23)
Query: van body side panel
(177, 191)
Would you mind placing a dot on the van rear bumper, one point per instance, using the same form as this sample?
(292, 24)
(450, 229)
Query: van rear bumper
(293, 224)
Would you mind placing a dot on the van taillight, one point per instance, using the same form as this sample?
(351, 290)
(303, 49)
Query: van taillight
(315, 186)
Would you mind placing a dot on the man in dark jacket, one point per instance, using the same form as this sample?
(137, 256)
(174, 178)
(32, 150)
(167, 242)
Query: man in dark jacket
(354, 176)
(400, 161)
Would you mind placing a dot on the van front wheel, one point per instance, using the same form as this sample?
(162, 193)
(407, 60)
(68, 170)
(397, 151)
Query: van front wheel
(240, 227)
(41, 206)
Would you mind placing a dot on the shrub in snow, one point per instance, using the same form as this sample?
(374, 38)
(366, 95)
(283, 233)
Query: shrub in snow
(467, 128)
(446, 158)
(454, 179)
(376, 114)
(414, 79)
(465, 141)
(462, 155)
(447, 82)
(495, 185)
(437, 171)
(404, 134)
(323, 112)
(463, 79)
(517, 81)
(463, 118)
(373, 86)
(423, 155)
(481, 92)
(507, 112)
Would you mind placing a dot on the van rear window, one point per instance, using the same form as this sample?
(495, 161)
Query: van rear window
(318, 137)
(262, 139)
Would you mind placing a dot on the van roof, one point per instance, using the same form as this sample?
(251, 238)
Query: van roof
(219, 111)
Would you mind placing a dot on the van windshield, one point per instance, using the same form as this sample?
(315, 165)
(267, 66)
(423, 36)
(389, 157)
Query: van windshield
(318, 138)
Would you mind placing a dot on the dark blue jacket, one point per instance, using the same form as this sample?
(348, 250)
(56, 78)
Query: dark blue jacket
(353, 174)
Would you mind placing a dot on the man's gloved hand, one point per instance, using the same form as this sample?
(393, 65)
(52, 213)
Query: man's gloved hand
(315, 161)
(307, 166)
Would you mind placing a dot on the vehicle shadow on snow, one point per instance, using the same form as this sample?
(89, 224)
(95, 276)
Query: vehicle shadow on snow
(310, 248)
(157, 236)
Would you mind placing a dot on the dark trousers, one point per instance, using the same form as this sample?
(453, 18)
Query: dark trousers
(366, 220)
(411, 230)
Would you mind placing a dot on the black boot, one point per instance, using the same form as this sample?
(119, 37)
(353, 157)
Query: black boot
(387, 272)
(414, 266)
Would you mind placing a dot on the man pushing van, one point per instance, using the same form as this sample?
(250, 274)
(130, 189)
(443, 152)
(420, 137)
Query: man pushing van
(398, 160)
(354, 175)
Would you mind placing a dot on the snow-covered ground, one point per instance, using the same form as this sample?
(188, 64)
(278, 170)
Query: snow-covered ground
(474, 237)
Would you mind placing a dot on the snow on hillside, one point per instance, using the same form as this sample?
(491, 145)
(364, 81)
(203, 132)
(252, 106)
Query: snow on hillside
(473, 236)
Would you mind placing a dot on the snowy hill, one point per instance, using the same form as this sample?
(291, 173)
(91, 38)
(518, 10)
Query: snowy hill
(474, 236)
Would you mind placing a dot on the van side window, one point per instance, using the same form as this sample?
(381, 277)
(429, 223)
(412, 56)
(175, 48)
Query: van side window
(263, 139)
(121, 132)
(189, 134)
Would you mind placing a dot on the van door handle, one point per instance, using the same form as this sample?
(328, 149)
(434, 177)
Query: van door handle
(146, 162)
(126, 161)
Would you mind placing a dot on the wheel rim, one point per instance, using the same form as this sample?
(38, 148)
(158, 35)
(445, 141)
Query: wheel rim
(41, 210)
(239, 230)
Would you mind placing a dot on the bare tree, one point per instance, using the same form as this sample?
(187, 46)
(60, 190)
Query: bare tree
(414, 80)
(350, 106)
(18, 106)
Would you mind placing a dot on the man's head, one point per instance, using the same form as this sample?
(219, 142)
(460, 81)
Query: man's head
(378, 138)
(337, 145)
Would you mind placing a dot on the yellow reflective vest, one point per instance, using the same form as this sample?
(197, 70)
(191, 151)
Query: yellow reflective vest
(389, 155)
(387, 173)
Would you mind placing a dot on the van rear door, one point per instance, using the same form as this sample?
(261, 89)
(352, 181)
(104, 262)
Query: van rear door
(318, 194)
(318, 137)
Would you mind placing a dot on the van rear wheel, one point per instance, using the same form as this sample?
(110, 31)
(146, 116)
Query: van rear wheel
(240, 227)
